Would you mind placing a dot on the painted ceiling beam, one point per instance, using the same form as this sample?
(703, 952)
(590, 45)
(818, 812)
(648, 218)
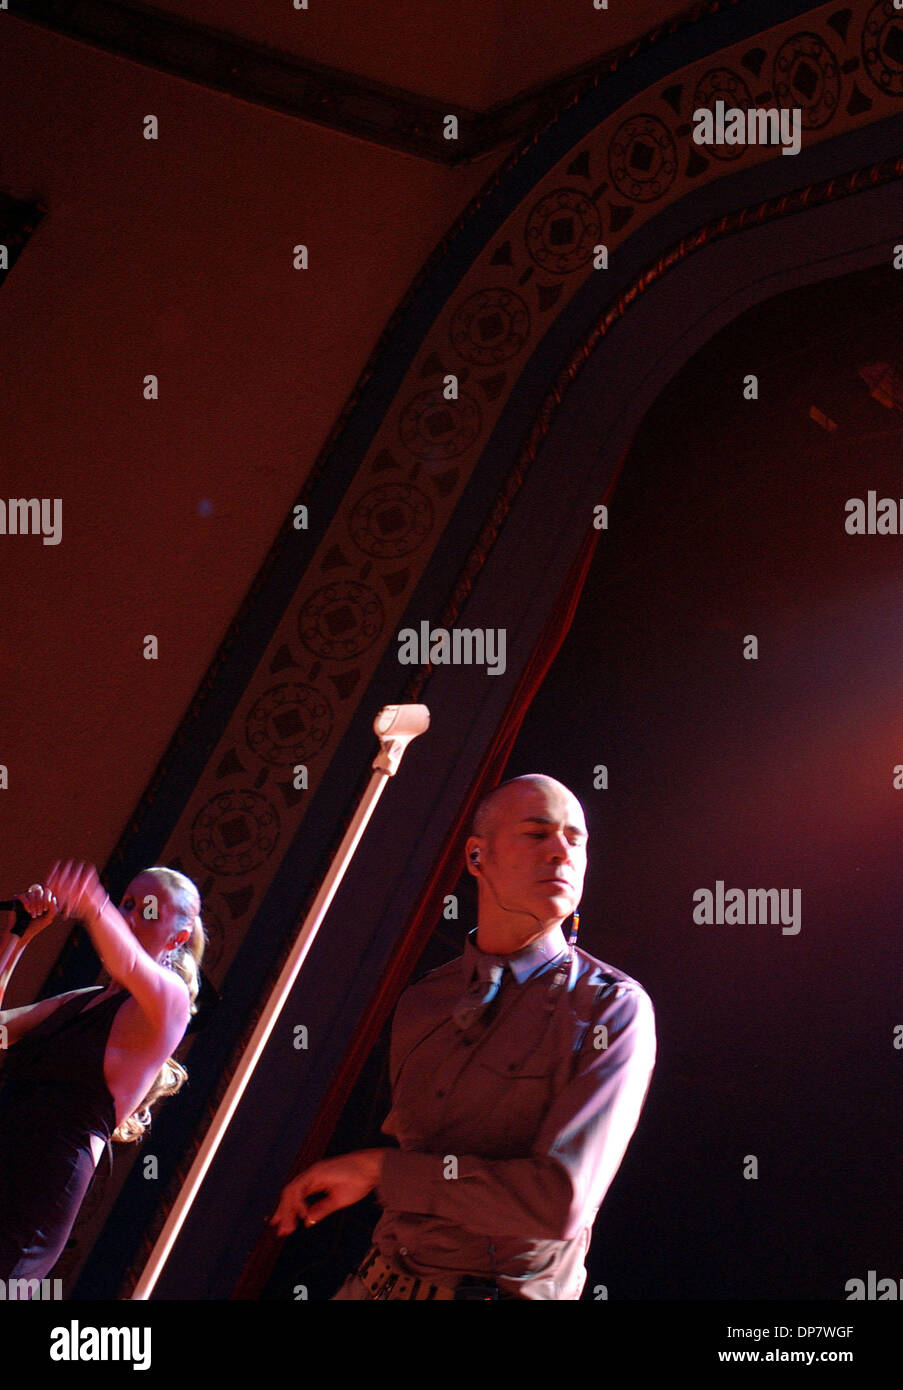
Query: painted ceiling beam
(309, 91)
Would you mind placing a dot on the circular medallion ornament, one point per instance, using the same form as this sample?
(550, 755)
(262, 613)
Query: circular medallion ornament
(391, 520)
(643, 159)
(491, 326)
(806, 75)
(288, 724)
(434, 429)
(562, 229)
(235, 832)
(882, 47)
(341, 620)
(720, 84)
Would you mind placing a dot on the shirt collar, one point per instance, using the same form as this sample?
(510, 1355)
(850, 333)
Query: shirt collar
(532, 960)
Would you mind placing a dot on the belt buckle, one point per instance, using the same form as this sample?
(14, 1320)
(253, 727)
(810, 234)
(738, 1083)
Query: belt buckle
(387, 1286)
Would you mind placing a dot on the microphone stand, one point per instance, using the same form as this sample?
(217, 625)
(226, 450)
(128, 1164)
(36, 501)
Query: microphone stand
(394, 726)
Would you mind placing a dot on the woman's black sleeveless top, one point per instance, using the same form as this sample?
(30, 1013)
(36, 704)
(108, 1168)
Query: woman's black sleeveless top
(53, 1097)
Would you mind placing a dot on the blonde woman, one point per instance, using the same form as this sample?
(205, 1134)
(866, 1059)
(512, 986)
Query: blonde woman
(83, 1067)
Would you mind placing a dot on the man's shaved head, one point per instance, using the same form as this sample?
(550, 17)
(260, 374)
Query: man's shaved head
(528, 854)
(505, 795)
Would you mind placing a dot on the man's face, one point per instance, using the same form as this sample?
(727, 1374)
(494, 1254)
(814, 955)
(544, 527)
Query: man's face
(533, 854)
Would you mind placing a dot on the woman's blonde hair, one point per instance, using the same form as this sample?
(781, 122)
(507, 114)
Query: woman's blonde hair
(185, 960)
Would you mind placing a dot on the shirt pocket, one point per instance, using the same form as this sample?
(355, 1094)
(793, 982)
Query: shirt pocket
(514, 1084)
(531, 1063)
(513, 1106)
(521, 1047)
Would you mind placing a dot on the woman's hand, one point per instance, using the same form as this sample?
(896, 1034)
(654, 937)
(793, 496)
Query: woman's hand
(41, 904)
(78, 888)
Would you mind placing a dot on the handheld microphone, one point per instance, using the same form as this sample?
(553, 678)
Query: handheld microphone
(23, 916)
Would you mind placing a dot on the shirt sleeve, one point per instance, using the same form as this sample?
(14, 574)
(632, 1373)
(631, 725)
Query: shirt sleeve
(555, 1191)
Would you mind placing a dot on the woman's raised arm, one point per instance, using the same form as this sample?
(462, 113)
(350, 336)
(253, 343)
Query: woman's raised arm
(160, 994)
(41, 903)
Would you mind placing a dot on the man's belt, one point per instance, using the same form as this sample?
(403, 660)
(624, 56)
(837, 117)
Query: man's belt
(382, 1281)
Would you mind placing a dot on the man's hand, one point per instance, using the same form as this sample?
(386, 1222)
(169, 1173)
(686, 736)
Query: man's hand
(342, 1180)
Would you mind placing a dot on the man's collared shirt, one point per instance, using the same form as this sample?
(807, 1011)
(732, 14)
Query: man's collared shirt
(511, 1131)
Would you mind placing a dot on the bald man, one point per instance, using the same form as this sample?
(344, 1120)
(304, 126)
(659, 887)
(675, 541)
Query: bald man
(518, 1073)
